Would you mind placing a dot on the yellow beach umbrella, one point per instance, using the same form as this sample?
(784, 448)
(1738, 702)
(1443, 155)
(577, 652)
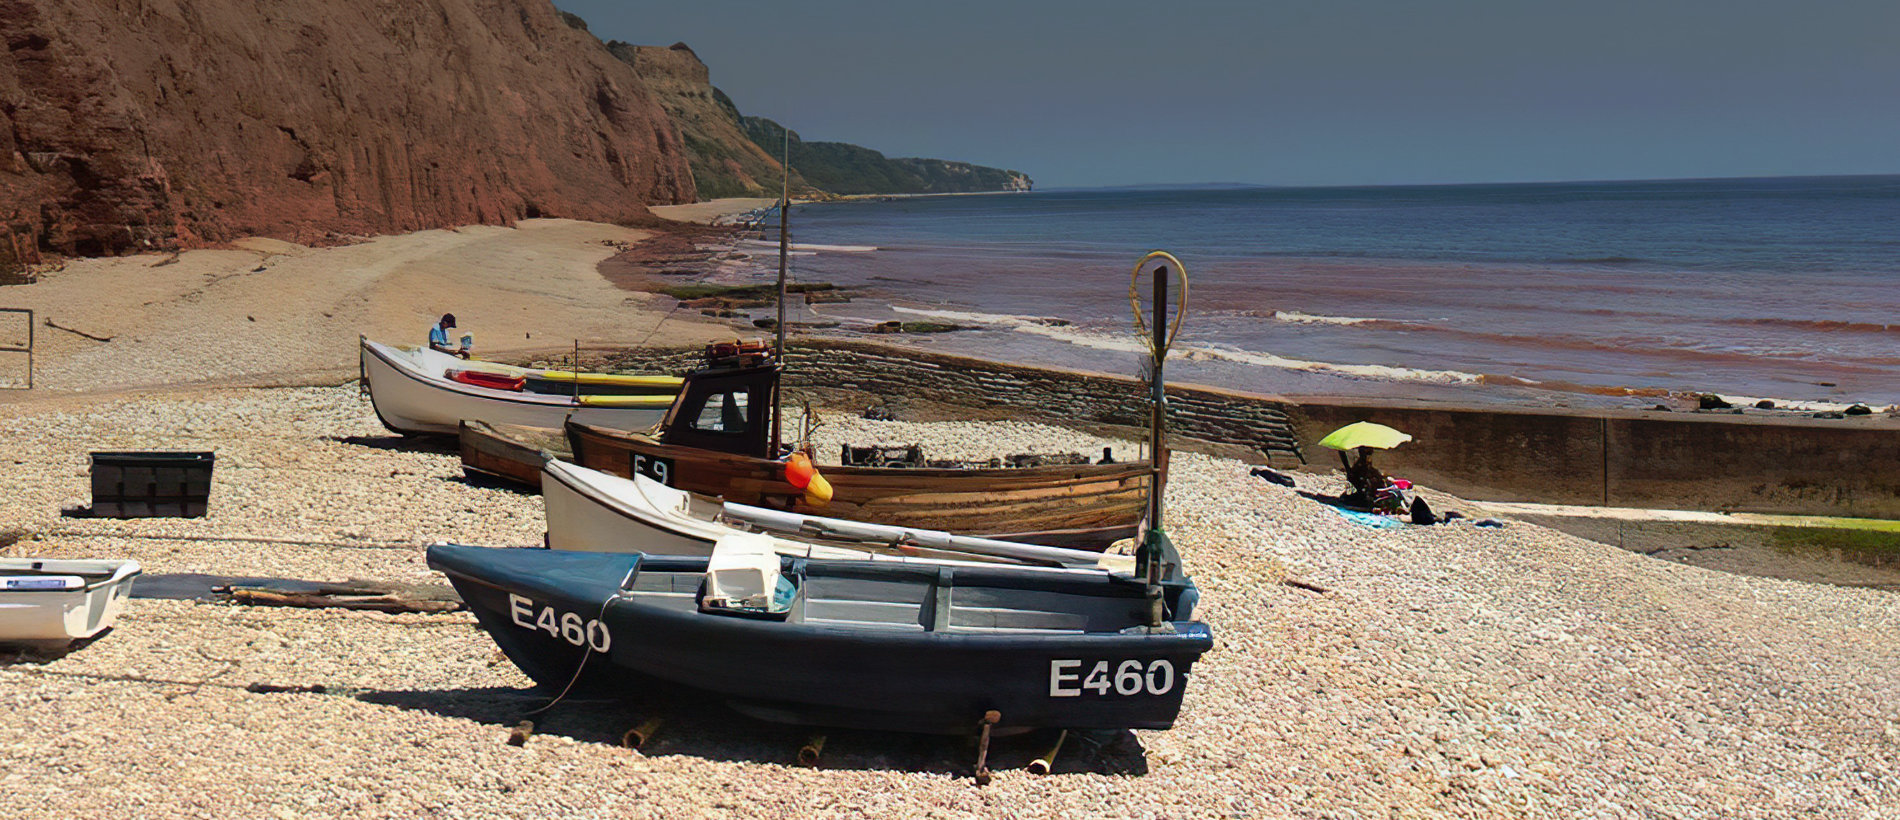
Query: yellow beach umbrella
(1364, 434)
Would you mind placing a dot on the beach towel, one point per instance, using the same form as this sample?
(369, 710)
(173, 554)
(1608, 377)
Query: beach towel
(1373, 520)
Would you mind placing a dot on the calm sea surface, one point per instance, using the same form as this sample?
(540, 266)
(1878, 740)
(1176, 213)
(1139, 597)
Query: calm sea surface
(1606, 292)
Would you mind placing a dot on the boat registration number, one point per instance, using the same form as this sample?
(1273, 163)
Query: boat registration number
(655, 467)
(1074, 678)
(566, 626)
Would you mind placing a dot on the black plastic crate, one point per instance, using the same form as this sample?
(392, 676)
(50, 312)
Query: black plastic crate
(151, 484)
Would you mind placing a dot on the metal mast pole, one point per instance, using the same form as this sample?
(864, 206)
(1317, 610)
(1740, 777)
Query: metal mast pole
(784, 248)
(784, 240)
(1159, 421)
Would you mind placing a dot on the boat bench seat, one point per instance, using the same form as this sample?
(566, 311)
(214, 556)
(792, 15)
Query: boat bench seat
(1001, 619)
(863, 613)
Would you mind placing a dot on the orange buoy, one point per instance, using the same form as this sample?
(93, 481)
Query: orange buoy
(799, 471)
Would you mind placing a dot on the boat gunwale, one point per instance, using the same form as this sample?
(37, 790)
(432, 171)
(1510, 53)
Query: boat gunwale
(1060, 473)
(1189, 631)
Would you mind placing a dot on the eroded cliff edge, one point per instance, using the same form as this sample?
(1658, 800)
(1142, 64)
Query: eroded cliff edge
(736, 155)
(133, 124)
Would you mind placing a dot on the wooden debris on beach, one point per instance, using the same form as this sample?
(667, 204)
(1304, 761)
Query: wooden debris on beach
(360, 595)
(77, 332)
(518, 736)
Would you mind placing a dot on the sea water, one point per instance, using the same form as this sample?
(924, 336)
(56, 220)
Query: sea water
(1591, 292)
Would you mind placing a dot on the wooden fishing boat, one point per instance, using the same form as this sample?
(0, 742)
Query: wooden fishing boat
(45, 602)
(716, 441)
(592, 511)
(417, 390)
(509, 453)
(861, 644)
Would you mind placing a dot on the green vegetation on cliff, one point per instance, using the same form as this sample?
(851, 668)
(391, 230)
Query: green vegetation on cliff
(842, 168)
(731, 154)
(724, 163)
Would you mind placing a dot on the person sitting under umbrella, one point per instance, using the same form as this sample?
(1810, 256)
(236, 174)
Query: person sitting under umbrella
(1366, 480)
(1368, 484)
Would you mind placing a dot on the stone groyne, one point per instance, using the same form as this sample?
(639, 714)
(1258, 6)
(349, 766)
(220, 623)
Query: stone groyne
(1695, 461)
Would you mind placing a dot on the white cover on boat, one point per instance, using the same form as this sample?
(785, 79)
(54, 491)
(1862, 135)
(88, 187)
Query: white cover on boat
(592, 511)
(838, 528)
(743, 571)
(65, 612)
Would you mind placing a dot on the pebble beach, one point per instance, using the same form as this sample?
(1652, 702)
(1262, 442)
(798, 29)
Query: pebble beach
(1358, 672)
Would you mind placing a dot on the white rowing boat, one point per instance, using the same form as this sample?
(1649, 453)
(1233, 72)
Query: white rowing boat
(418, 390)
(51, 601)
(592, 511)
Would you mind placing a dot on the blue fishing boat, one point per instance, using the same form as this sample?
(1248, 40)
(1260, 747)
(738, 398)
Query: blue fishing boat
(853, 644)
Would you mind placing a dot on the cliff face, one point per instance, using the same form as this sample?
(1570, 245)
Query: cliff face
(127, 124)
(843, 168)
(735, 155)
(724, 161)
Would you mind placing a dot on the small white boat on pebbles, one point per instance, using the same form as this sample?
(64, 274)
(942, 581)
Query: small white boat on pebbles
(592, 511)
(50, 602)
(417, 390)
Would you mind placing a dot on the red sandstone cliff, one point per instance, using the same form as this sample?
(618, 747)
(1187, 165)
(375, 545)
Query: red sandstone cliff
(127, 124)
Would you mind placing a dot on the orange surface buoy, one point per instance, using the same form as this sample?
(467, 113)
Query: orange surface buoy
(799, 471)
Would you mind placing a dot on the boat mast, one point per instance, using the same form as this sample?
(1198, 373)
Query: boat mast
(1155, 548)
(784, 247)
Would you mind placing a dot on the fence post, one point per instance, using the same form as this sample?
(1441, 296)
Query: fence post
(28, 350)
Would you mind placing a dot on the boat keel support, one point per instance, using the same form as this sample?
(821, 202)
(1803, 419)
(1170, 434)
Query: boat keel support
(518, 736)
(990, 719)
(638, 736)
(808, 753)
(1042, 765)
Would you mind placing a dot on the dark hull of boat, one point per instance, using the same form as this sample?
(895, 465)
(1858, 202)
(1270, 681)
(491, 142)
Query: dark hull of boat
(1084, 506)
(935, 674)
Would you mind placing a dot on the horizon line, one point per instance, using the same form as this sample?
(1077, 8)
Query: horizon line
(1582, 181)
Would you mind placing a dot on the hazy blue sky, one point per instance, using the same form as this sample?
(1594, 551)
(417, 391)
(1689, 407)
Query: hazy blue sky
(1323, 92)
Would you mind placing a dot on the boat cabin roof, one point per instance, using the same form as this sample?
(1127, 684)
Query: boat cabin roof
(725, 409)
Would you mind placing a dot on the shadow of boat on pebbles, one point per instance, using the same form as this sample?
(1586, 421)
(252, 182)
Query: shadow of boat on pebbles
(436, 445)
(695, 725)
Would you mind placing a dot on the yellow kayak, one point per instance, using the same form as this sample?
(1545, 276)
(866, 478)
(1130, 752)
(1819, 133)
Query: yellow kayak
(570, 377)
(627, 401)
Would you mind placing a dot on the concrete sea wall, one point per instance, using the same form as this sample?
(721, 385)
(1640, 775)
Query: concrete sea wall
(1613, 458)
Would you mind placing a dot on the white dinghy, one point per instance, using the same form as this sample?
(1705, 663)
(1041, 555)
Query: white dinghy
(45, 601)
(592, 511)
(418, 390)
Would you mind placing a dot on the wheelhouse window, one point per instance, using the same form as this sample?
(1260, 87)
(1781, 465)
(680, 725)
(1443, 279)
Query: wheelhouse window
(728, 412)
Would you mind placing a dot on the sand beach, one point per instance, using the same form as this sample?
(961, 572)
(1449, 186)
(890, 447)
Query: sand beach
(268, 311)
(1358, 671)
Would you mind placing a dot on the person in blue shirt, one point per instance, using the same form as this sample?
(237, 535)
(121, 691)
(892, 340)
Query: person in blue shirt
(439, 337)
